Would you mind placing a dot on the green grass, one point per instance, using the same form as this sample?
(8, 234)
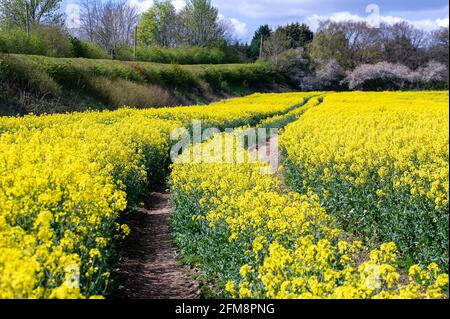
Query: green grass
(29, 82)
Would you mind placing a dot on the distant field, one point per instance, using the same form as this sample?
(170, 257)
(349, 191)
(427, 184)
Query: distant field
(65, 179)
(113, 66)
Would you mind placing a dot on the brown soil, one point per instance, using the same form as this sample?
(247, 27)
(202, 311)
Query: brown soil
(149, 267)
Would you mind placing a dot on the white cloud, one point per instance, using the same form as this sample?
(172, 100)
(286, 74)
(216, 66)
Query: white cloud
(144, 5)
(141, 5)
(314, 20)
(426, 24)
(73, 16)
(239, 28)
(179, 4)
(287, 9)
(442, 22)
(422, 14)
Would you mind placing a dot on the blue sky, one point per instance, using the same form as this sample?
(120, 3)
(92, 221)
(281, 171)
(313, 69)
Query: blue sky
(246, 15)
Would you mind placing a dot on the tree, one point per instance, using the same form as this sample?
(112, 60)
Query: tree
(356, 43)
(403, 43)
(330, 44)
(362, 41)
(433, 73)
(439, 46)
(330, 75)
(110, 24)
(350, 43)
(201, 23)
(89, 18)
(263, 32)
(158, 25)
(274, 47)
(116, 23)
(28, 13)
(379, 77)
(299, 35)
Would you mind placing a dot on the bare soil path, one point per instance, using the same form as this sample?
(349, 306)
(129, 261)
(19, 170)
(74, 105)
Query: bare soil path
(149, 267)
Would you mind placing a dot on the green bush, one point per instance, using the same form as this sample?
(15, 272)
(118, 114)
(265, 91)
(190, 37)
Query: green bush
(28, 76)
(124, 53)
(46, 40)
(89, 50)
(247, 75)
(152, 54)
(55, 41)
(18, 41)
(185, 55)
(176, 76)
(70, 71)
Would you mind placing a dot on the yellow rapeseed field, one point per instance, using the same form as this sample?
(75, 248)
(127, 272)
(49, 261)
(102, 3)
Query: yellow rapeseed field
(380, 164)
(242, 227)
(64, 180)
(364, 213)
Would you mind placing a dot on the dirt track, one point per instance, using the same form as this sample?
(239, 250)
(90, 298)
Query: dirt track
(149, 268)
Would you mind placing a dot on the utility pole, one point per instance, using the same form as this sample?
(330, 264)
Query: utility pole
(27, 22)
(135, 42)
(261, 46)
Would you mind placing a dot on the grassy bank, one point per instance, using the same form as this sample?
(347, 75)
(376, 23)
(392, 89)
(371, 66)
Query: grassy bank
(41, 84)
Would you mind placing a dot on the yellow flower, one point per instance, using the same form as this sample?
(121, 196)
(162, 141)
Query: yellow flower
(229, 287)
(258, 244)
(95, 253)
(245, 270)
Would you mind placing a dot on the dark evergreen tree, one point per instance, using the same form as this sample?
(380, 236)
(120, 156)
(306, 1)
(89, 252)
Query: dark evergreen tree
(299, 35)
(263, 31)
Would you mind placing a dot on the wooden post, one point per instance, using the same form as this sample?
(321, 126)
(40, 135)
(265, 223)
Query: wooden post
(261, 47)
(135, 42)
(27, 22)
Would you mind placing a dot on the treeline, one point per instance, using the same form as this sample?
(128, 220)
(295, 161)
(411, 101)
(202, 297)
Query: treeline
(353, 55)
(53, 42)
(116, 30)
(337, 56)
